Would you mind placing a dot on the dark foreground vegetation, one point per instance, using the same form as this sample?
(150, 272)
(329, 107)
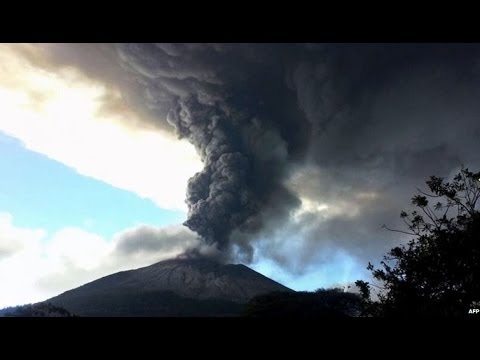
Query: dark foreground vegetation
(437, 274)
(35, 310)
(332, 303)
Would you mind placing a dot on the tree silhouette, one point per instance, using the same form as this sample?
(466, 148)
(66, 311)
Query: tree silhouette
(41, 309)
(438, 272)
(323, 303)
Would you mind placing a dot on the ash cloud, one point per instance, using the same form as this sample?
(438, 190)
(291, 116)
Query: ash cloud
(370, 119)
(307, 148)
(145, 239)
(385, 118)
(223, 100)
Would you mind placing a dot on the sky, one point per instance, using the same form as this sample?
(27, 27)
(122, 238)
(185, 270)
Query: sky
(288, 158)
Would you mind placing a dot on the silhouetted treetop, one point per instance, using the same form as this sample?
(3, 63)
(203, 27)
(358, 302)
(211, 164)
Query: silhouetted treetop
(438, 272)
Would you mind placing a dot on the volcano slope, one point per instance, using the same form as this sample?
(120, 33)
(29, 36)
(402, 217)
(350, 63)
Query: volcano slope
(177, 287)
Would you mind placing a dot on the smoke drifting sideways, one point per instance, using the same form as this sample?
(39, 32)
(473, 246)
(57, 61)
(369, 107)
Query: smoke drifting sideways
(258, 114)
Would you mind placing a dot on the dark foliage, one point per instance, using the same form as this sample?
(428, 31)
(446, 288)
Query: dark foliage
(36, 310)
(330, 303)
(438, 272)
(152, 303)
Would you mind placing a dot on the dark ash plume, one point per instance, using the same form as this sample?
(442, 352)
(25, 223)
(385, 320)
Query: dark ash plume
(221, 99)
(369, 121)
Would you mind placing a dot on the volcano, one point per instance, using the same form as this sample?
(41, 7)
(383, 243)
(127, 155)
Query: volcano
(177, 287)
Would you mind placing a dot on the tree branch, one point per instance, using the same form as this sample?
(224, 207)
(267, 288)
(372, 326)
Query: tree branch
(429, 195)
(400, 231)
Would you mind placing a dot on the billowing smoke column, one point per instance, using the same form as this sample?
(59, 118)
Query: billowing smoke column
(221, 98)
(361, 118)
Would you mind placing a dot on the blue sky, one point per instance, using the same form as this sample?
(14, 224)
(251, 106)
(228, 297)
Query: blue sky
(78, 180)
(43, 193)
(80, 175)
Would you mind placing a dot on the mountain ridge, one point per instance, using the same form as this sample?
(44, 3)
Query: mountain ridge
(174, 287)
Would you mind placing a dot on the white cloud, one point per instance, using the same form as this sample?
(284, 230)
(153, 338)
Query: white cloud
(62, 114)
(13, 240)
(82, 249)
(36, 266)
